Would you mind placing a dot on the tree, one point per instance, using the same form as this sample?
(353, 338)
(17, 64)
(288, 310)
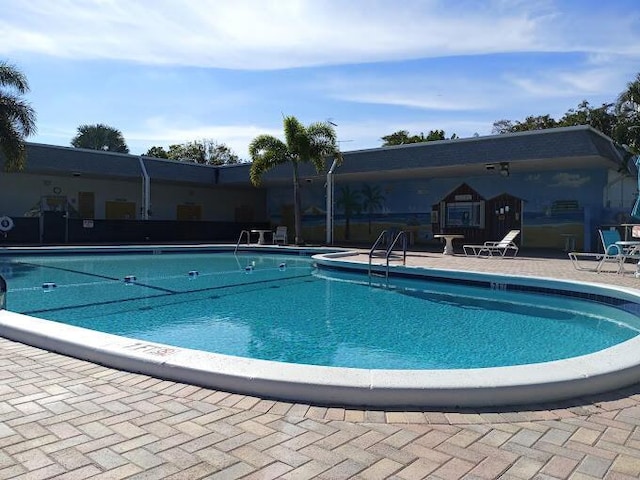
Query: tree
(619, 120)
(628, 102)
(602, 118)
(372, 200)
(311, 144)
(220, 154)
(17, 118)
(157, 152)
(627, 108)
(100, 137)
(349, 201)
(533, 122)
(402, 137)
(206, 152)
(194, 152)
(435, 135)
(502, 126)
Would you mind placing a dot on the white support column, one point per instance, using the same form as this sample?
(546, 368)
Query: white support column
(146, 190)
(330, 191)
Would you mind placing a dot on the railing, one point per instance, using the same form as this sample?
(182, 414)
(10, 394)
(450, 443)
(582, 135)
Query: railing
(242, 233)
(402, 235)
(381, 238)
(3, 293)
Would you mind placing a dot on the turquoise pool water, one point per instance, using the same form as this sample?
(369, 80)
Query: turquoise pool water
(279, 308)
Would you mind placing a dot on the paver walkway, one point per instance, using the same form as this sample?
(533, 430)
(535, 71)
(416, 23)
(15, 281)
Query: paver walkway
(69, 419)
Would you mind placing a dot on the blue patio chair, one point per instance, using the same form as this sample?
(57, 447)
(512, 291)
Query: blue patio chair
(622, 251)
(609, 239)
(612, 253)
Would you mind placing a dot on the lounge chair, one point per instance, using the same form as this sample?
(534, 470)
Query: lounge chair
(612, 253)
(491, 249)
(280, 235)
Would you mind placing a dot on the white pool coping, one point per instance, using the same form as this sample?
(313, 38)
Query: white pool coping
(606, 370)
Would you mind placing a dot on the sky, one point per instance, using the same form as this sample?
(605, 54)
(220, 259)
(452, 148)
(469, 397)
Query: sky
(167, 71)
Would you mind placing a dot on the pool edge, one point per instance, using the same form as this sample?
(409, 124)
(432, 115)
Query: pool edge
(609, 369)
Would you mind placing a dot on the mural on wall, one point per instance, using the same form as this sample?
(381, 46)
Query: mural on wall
(349, 201)
(372, 201)
(553, 205)
(466, 212)
(52, 203)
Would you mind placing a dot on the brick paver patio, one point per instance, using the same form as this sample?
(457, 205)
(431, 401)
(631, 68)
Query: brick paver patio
(70, 419)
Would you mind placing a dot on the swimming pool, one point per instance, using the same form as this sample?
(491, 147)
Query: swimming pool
(281, 309)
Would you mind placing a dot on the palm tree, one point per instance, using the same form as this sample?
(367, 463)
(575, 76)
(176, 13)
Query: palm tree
(302, 144)
(349, 201)
(372, 200)
(628, 103)
(628, 111)
(17, 118)
(100, 137)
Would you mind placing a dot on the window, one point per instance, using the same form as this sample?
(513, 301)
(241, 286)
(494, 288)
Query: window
(465, 214)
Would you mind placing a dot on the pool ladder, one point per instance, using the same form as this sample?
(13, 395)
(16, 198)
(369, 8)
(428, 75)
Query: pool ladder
(242, 234)
(384, 239)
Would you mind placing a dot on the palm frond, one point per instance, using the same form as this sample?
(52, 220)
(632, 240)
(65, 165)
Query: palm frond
(17, 118)
(323, 144)
(12, 146)
(266, 152)
(10, 76)
(19, 113)
(302, 144)
(293, 131)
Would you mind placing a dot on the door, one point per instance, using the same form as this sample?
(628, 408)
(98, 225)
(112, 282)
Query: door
(53, 219)
(120, 210)
(504, 213)
(86, 205)
(189, 212)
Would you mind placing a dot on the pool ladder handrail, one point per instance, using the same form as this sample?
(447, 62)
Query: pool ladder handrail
(388, 251)
(240, 239)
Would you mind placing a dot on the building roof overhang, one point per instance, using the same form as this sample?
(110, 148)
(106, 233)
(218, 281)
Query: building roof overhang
(540, 150)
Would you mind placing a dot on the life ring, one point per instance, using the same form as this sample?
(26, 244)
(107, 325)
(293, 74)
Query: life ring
(6, 224)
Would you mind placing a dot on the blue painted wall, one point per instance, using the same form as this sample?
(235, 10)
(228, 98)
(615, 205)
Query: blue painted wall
(555, 203)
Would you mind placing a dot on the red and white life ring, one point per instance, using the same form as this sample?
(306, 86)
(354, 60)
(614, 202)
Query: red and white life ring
(6, 224)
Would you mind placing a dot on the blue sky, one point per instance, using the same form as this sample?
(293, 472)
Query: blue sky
(167, 72)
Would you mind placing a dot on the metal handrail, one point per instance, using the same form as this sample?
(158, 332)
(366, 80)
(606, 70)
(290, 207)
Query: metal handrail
(240, 239)
(402, 234)
(382, 237)
(387, 253)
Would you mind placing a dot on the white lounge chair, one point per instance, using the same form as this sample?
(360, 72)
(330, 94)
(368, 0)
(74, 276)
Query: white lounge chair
(492, 249)
(280, 235)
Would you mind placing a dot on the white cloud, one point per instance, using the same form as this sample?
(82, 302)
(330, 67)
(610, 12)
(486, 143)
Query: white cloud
(463, 93)
(161, 132)
(579, 81)
(452, 92)
(269, 34)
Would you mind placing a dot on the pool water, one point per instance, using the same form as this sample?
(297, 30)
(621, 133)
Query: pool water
(279, 308)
